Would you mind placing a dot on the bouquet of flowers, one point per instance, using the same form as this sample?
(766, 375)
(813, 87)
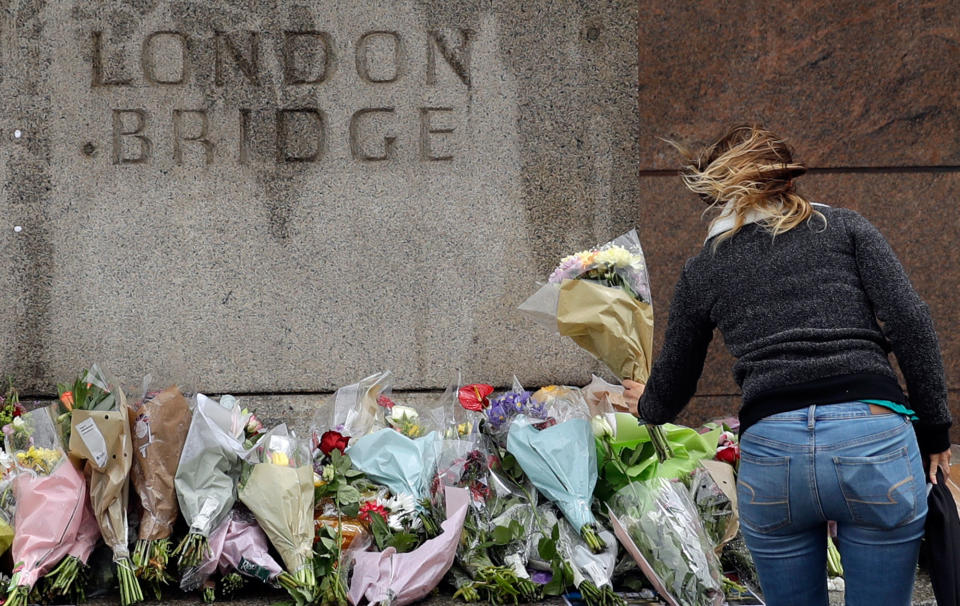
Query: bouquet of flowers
(278, 489)
(600, 298)
(159, 423)
(101, 437)
(8, 504)
(464, 464)
(660, 527)
(50, 495)
(238, 545)
(206, 477)
(561, 461)
(10, 406)
(500, 411)
(572, 562)
(339, 490)
(389, 577)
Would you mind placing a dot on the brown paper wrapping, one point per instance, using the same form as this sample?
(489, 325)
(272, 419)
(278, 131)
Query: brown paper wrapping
(158, 429)
(610, 324)
(108, 476)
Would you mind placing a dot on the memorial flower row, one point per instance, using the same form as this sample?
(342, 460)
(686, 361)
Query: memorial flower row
(499, 497)
(505, 498)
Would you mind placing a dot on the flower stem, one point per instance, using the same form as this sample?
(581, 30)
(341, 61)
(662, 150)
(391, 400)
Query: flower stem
(68, 579)
(130, 592)
(191, 550)
(659, 441)
(17, 596)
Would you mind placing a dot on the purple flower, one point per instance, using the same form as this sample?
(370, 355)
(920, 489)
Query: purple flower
(503, 408)
(541, 577)
(569, 268)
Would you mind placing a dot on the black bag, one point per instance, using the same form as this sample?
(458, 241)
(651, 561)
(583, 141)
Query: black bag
(941, 543)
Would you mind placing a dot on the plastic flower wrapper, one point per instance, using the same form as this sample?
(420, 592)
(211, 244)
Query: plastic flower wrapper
(402, 464)
(237, 544)
(279, 492)
(50, 495)
(660, 527)
(557, 547)
(713, 489)
(206, 477)
(464, 464)
(388, 577)
(561, 461)
(102, 439)
(600, 298)
(159, 423)
(628, 454)
(69, 578)
(354, 410)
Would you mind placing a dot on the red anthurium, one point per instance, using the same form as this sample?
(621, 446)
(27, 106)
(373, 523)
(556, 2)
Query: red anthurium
(333, 440)
(474, 397)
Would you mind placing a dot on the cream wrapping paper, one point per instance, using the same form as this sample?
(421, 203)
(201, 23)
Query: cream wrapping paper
(102, 439)
(281, 498)
(614, 327)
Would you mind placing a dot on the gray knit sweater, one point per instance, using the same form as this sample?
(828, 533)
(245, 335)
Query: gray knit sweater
(810, 316)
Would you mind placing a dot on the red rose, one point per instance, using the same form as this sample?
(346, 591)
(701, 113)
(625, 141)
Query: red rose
(333, 440)
(474, 397)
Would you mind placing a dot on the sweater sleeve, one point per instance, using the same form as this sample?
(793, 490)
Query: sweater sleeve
(907, 325)
(673, 378)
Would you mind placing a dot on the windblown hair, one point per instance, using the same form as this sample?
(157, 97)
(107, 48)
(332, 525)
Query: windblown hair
(748, 169)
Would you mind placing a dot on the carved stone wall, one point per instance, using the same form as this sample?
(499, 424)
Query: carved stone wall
(279, 198)
(282, 197)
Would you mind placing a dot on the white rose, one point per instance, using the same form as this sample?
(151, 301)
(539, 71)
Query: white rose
(601, 427)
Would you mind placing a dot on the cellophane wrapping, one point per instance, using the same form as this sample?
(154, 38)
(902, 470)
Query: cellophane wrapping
(663, 524)
(210, 463)
(279, 492)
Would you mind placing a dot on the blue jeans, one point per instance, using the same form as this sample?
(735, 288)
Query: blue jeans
(837, 462)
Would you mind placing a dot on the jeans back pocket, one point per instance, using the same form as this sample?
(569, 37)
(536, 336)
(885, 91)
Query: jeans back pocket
(879, 490)
(763, 492)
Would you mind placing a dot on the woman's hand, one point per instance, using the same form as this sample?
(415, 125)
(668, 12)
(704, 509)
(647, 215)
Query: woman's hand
(941, 460)
(631, 394)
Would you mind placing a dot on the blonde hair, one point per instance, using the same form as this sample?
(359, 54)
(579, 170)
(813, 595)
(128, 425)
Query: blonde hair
(748, 170)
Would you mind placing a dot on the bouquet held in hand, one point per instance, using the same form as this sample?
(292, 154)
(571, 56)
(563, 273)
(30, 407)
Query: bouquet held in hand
(600, 298)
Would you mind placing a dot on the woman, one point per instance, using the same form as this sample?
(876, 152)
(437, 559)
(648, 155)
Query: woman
(809, 299)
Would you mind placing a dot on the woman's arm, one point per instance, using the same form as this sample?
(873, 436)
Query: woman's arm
(673, 379)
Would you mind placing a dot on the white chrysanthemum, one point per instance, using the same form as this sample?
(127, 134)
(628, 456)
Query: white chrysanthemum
(402, 503)
(617, 256)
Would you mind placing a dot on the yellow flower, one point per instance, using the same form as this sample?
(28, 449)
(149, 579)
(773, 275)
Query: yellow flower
(280, 458)
(40, 460)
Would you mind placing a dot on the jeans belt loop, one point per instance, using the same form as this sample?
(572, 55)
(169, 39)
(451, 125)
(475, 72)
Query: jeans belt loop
(811, 416)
